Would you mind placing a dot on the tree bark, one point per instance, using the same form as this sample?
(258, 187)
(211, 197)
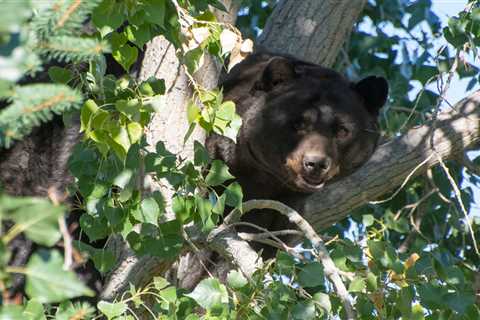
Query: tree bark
(311, 30)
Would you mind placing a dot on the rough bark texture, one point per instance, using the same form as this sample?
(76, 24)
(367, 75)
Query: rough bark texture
(455, 131)
(311, 30)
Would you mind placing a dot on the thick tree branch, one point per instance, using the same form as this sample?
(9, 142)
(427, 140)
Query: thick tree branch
(456, 130)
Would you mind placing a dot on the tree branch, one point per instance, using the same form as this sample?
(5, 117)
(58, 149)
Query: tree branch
(294, 217)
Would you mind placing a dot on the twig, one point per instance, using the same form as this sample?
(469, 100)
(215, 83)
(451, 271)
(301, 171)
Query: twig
(415, 222)
(265, 235)
(294, 217)
(404, 181)
(67, 244)
(197, 253)
(442, 88)
(280, 244)
(56, 197)
(458, 195)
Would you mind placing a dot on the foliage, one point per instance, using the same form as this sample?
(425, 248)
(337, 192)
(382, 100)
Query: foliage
(54, 32)
(411, 257)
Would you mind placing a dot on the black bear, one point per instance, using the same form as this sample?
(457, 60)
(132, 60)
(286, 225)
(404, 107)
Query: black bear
(303, 126)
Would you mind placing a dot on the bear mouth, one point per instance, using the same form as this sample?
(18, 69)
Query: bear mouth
(309, 185)
(297, 183)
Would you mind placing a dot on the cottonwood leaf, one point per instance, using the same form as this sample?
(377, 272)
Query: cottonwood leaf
(112, 310)
(48, 282)
(218, 173)
(209, 293)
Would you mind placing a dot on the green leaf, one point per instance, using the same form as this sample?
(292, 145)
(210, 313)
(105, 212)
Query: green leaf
(121, 141)
(117, 40)
(169, 294)
(139, 34)
(103, 259)
(236, 280)
(37, 217)
(165, 241)
(60, 75)
(193, 60)
(218, 173)
(155, 11)
(126, 56)
(404, 301)
(368, 220)
(135, 132)
(371, 282)
(323, 300)
(107, 16)
(431, 296)
(130, 108)
(95, 228)
(200, 154)
(48, 282)
(304, 311)
(219, 206)
(150, 211)
(160, 283)
(68, 311)
(122, 179)
(459, 301)
(183, 207)
(193, 112)
(234, 195)
(311, 275)
(11, 312)
(357, 285)
(209, 293)
(112, 310)
(204, 210)
(34, 311)
(417, 312)
(158, 85)
(231, 130)
(88, 110)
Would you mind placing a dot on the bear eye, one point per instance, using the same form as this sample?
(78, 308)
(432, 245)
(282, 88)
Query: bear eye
(342, 132)
(298, 125)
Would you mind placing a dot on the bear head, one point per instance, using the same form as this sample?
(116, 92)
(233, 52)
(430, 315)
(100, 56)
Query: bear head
(303, 125)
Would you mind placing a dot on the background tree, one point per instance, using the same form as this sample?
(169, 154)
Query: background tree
(412, 255)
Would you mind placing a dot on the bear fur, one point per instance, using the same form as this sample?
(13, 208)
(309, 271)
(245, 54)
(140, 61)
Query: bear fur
(303, 125)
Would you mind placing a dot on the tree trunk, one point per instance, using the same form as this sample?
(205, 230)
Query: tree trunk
(313, 31)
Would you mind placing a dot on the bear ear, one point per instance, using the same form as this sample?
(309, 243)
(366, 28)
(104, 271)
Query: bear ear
(374, 91)
(278, 70)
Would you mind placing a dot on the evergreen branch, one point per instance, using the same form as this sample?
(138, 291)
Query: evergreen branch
(72, 49)
(32, 105)
(63, 17)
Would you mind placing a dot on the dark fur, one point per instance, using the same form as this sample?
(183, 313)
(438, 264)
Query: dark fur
(294, 111)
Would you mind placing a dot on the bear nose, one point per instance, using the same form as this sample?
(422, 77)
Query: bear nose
(316, 163)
